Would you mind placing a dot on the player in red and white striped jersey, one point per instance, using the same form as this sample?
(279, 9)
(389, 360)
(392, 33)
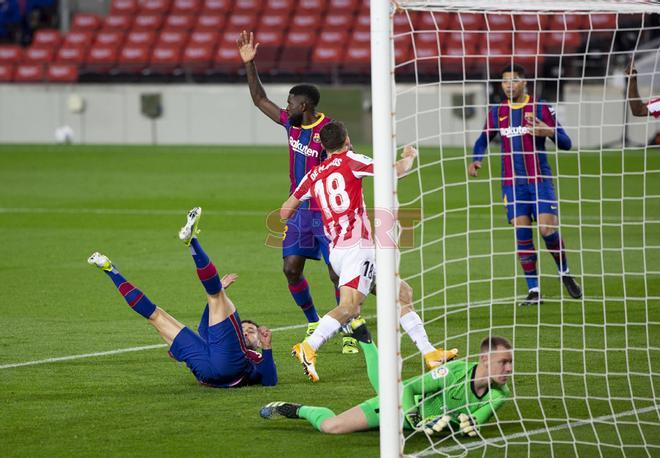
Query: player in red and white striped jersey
(639, 108)
(336, 187)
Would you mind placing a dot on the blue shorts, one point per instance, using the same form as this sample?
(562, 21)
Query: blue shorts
(530, 199)
(219, 361)
(304, 236)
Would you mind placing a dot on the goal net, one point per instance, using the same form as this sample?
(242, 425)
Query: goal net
(586, 371)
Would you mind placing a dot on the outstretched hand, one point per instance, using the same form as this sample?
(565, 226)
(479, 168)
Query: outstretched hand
(630, 70)
(246, 46)
(227, 280)
(265, 336)
(541, 129)
(473, 168)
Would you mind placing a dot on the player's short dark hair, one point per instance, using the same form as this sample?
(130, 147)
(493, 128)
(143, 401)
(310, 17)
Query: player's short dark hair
(250, 321)
(514, 68)
(333, 135)
(492, 343)
(309, 91)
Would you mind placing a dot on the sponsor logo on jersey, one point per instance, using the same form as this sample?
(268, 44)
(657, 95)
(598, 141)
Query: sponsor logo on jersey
(514, 131)
(298, 147)
(502, 118)
(440, 372)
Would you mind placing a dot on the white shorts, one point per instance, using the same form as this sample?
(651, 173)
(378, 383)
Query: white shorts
(356, 267)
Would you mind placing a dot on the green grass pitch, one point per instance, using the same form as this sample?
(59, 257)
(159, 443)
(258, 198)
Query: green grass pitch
(575, 360)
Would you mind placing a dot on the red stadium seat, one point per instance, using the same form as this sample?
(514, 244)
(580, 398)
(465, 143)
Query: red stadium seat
(499, 39)
(339, 21)
(71, 54)
(205, 37)
(276, 22)
(62, 73)
(278, 7)
(180, 22)
(247, 6)
(239, 22)
(306, 21)
(198, 58)
(458, 60)
(297, 49)
(270, 43)
(172, 38)
(81, 39)
(427, 55)
(527, 56)
(119, 22)
(110, 38)
(165, 59)
(357, 60)
(102, 58)
(47, 38)
(527, 39)
(29, 73)
(468, 40)
(6, 73)
(187, 7)
(141, 38)
(343, 7)
(326, 57)
(469, 21)
(133, 58)
(603, 26)
(361, 36)
(10, 54)
(427, 38)
(227, 59)
(403, 23)
(311, 6)
(333, 37)
(160, 7)
(363, 22)
(434, 21)
(573, 22)
(38, 55)
(216, 7)
(210, 22)
(124, 7)
(499, 22)
(530, 21)
(559, 41)
(86, 21)
(148, 22)
(229, 38)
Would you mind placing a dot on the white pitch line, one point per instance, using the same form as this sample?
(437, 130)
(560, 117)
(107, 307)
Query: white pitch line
(575, 424)
(128, 211)
(282, 328)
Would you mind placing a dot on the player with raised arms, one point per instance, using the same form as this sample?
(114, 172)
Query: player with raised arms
(637, 106)
(460, 394)
(524, 124)
(225, 353)
(336, 187)
(303, 235)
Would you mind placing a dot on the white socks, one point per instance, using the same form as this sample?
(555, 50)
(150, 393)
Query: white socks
(327, 328)
(412, 324)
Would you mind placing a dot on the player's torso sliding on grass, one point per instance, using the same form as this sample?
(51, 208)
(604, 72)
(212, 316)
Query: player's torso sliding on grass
(637, 106)
(458, 394)
(303, 235)
(336, 187)
(225, 353)
(528, 192)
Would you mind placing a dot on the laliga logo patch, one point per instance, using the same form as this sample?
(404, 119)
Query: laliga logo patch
(316, 138)
(440, 372)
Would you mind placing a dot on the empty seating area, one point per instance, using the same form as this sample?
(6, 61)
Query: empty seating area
(196, 39)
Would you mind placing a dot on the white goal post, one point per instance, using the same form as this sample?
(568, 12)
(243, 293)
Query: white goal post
(597, 162)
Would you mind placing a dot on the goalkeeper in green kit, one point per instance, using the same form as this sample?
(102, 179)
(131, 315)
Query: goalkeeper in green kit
(460, 395)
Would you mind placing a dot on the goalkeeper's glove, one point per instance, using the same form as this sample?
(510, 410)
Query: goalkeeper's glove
(429, 425)
(467, 425)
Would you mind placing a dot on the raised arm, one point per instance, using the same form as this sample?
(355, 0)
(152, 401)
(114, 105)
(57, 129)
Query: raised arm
(637, 107)
(404, 164)
(248, 50)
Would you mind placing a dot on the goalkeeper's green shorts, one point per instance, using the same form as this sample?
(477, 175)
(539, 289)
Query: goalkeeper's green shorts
(371, 410)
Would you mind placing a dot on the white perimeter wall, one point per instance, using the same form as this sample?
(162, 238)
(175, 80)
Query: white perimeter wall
(224, 114)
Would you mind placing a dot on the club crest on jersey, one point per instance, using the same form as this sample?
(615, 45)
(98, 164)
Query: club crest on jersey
(301, 148)
(316, 138)
(440, 372)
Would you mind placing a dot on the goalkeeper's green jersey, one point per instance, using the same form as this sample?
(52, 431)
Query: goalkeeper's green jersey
(449, 390)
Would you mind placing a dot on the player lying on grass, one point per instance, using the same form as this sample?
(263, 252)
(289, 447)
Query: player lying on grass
(224, 354)
(524, 124)
(303, 235)
(637, 106)
(460, 394)
(336, 187)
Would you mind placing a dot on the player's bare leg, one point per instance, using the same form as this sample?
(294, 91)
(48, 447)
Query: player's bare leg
(166, 325)
(549, 229)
